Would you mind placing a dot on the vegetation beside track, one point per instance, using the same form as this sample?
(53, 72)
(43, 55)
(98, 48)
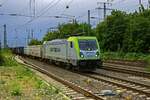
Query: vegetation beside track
(127, 56)
(19, 82)
(0, 58)
(7, 58)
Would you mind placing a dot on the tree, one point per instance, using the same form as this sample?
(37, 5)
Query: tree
(35, 42)
(111, 32)
(125, 32)
(51, 35)
(73, 28)
(139, 32)
(66, 30)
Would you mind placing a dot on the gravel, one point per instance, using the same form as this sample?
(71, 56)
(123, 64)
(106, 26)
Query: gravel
(86, 82)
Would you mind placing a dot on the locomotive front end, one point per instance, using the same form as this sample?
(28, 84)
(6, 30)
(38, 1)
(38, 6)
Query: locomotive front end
(89, 53)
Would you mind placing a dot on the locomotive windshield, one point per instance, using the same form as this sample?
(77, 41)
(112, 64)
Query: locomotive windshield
(88, 45)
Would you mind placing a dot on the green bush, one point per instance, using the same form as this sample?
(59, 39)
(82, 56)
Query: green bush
(39, 84)
(7, 58)
(126, 56)
(1, 58)
(16, 89)
(126, 32)
(16, 92)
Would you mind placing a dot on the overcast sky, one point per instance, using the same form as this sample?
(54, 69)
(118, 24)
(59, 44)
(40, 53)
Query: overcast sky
(18, 26)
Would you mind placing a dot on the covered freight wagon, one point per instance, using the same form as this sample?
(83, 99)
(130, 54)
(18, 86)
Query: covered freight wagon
(34, 51)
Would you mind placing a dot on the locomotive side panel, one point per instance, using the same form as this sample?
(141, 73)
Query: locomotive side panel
(55, 51)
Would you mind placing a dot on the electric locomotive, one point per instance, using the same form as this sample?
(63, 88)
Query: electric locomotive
(79, 52)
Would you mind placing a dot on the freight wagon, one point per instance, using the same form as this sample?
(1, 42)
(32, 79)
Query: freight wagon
(18, 50)
(34, 51)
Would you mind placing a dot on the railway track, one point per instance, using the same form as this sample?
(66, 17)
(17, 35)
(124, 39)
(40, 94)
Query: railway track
(136, 63)
(138, 89)
(77, 91)
(126, 84)
(112, 67)
(126, 66)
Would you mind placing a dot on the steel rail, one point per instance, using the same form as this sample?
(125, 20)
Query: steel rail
(65, 82)
(128, 71)
(126, 86)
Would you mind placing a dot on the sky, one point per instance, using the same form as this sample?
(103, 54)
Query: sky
(18, 27)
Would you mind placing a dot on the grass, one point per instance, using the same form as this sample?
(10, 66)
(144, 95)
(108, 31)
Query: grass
(7, 58)
(18, 81)
(16, 89)
(127, 56)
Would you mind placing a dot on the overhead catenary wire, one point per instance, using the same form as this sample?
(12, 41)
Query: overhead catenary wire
(85, 14)
(36, 17)
(69, 3)
(49, 4)
(40, 14)
(44, 11)
(14, 14)
(50, 7)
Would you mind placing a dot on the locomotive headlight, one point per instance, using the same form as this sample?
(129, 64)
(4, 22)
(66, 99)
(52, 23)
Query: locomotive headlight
(97, 54)
(81, 55)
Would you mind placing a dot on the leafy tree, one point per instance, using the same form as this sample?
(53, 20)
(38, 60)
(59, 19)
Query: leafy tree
(35, 42)
(139, 32)
(74, 28)
(125, 32)
(111, 31)
(65, 30)
(51, 35)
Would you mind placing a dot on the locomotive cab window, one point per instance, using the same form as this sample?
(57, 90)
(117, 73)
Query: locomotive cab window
(88, 45)
(71, 45)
